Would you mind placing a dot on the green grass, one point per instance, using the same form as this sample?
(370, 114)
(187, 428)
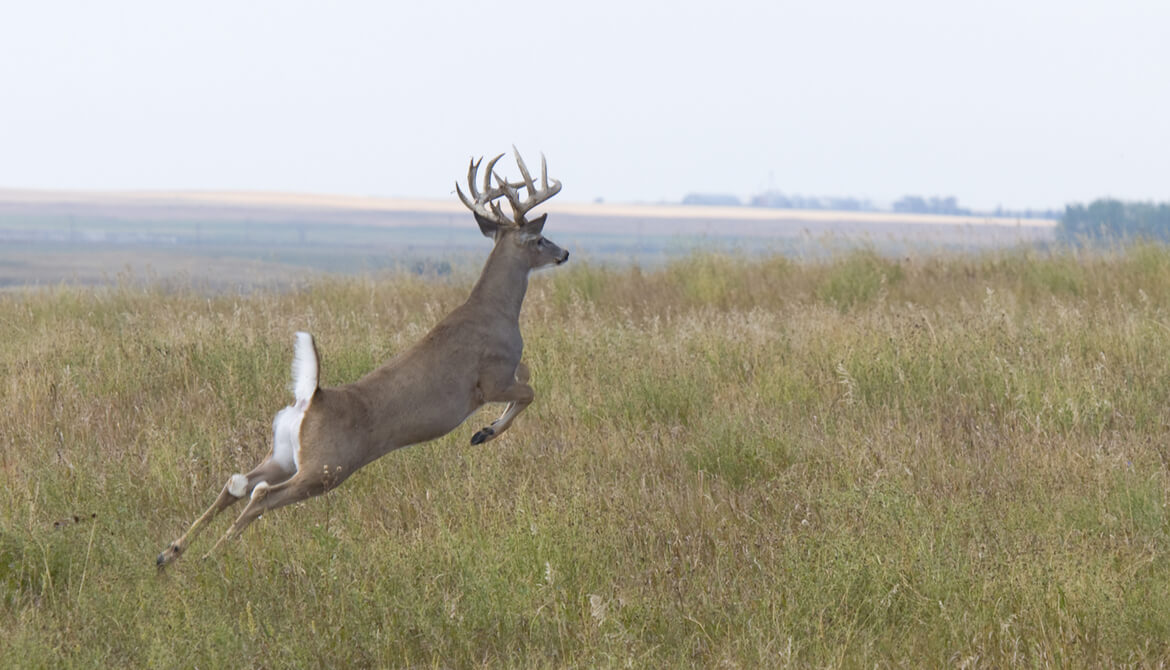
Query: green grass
(742, 462)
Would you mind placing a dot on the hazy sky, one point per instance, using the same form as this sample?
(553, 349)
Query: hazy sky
(1024, 104)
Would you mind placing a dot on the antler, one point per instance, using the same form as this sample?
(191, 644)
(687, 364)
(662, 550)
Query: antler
(484, 203)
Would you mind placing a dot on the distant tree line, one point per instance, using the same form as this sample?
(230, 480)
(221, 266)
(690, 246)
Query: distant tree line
(914, 204)
(1052, 214)
(909, 204)
(778, 200)
(1109, 219)
(711, 199)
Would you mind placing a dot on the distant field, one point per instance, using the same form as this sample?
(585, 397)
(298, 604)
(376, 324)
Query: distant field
(732, 462)
(234, 239)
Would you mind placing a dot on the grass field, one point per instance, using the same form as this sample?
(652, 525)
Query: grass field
(935, 461)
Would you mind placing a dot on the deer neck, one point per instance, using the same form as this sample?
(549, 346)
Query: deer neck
(502, 284)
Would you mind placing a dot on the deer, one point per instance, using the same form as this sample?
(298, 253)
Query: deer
(470, 358)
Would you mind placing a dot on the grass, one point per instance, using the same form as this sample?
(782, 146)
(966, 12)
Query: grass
(940, 460)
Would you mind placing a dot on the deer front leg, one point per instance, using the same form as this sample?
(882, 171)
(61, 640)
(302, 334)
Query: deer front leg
(518, 396)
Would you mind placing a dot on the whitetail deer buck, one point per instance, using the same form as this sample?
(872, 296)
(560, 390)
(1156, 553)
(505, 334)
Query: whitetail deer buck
(470, 358)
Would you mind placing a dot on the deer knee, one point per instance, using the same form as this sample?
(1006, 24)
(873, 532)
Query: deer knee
(523, 394)
(523, 374)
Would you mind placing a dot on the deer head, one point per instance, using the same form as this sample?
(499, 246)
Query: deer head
(516, 231)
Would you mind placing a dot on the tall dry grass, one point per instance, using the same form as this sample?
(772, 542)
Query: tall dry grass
(939, 460)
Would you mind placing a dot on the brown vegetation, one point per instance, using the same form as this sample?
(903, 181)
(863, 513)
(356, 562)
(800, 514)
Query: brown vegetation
(744, 463)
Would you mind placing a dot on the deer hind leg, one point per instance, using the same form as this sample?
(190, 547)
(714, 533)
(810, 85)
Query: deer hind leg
(518, 396)
(236, 488)
(267, 497)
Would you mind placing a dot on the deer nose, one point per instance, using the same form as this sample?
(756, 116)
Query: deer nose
(564, 258)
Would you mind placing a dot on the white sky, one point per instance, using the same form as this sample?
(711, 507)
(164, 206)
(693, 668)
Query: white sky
(1024, 104)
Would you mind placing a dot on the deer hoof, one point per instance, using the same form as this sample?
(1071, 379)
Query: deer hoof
(167, 556)
(483, 436)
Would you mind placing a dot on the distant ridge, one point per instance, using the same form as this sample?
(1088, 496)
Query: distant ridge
(276, 205)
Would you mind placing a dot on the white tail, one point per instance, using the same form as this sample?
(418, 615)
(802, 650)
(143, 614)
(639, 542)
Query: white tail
(304, 370)
(469, 358)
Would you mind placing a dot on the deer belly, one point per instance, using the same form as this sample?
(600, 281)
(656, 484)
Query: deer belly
(425, 423)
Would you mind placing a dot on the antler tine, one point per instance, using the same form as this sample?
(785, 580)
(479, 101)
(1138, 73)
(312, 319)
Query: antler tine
(472, 170)
(487, 176)
(466, 203)
(499, 214)
(544, 174)
(524, 171)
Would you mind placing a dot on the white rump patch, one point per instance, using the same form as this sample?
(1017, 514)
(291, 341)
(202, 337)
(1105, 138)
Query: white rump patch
(286, 438)
(237, 485)
(304, 370)
(286, 427)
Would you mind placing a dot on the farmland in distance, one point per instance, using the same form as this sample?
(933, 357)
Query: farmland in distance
(230, 240)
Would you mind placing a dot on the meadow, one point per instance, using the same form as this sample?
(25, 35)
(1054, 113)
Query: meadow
(933, 460)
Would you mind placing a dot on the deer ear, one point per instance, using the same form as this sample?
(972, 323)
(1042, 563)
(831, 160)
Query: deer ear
(487, 226)
(536, 225)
